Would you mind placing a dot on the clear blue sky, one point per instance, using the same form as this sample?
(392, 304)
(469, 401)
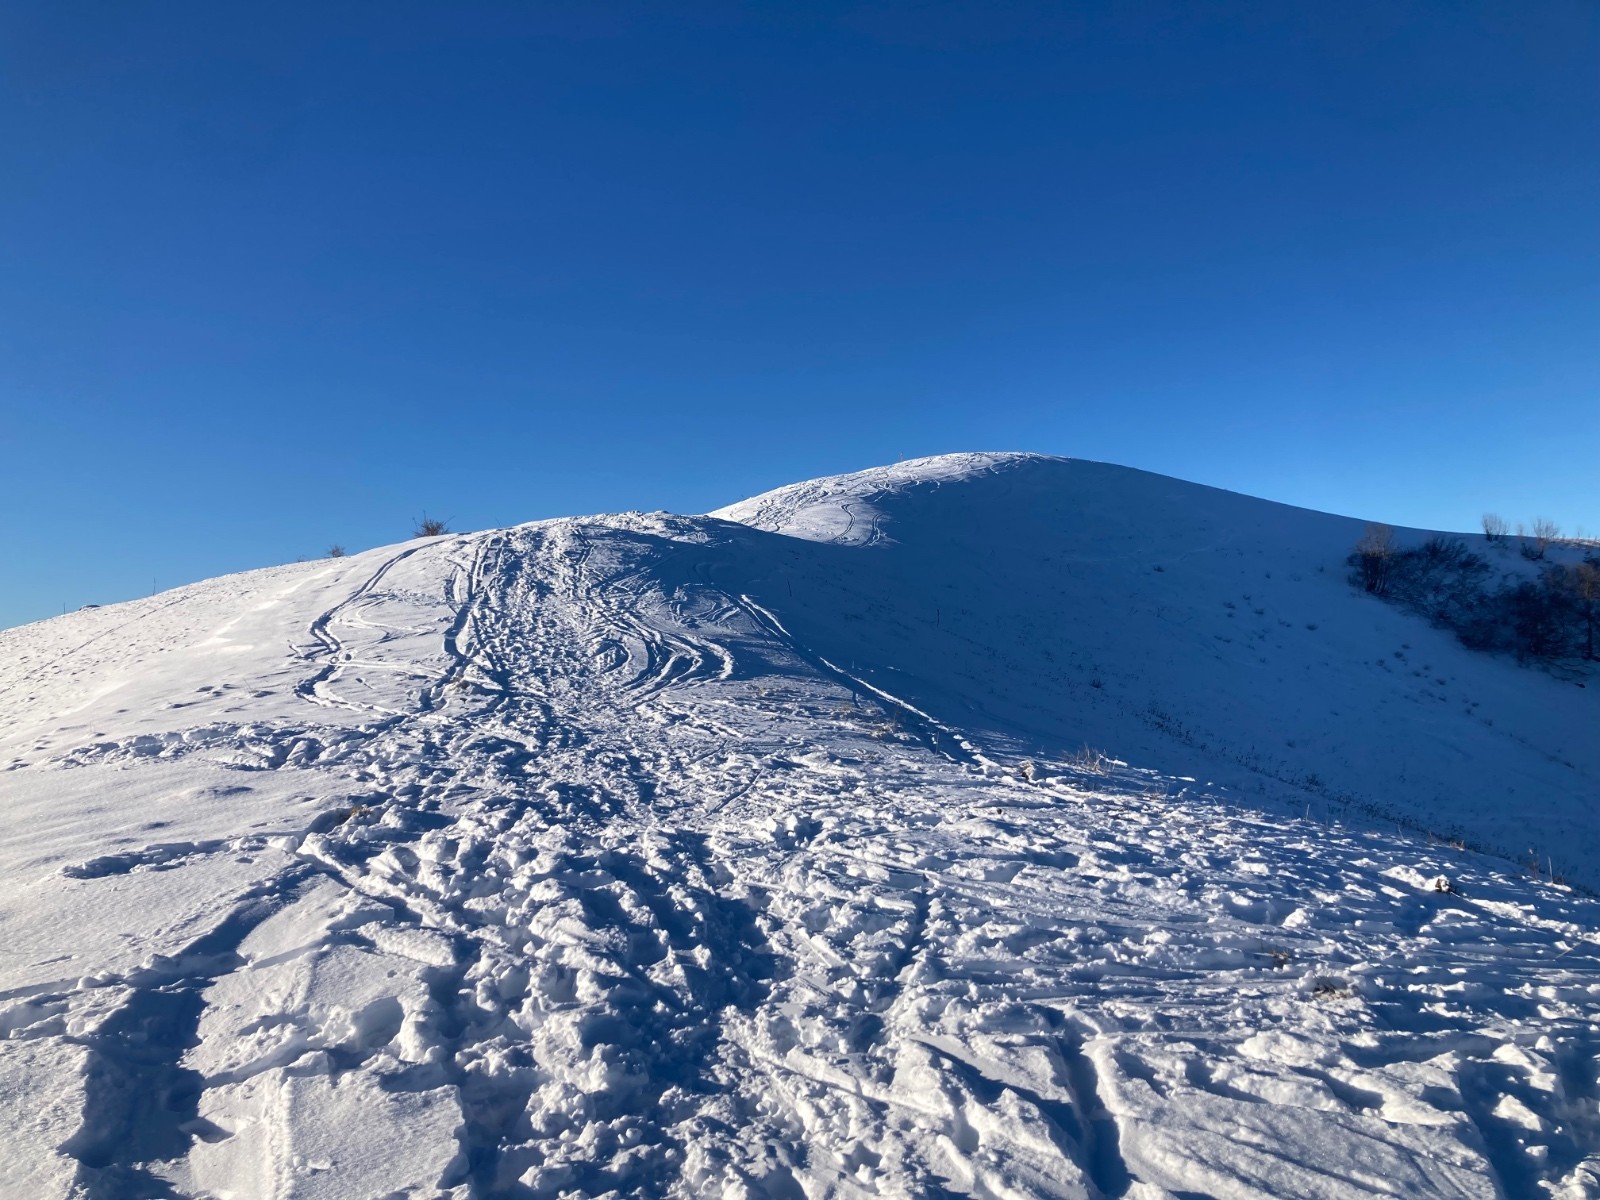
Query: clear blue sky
(278, 276)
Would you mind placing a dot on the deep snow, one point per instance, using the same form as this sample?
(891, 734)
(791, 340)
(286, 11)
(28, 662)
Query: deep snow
(756, 854)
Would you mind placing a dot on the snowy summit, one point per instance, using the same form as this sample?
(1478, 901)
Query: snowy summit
(988, 825)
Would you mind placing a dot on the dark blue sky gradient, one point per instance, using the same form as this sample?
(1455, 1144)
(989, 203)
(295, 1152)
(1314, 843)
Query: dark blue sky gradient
(273, 277)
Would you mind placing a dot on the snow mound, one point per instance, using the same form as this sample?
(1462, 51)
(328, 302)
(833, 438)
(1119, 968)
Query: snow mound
(759, 854)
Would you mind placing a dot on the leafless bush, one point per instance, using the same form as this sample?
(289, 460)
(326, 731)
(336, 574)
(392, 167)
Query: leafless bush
(335, 551)
(1096, 762)
(1374, 557)
(1494, 527)
(1579, 587)
(1535, 546)
(430, 527)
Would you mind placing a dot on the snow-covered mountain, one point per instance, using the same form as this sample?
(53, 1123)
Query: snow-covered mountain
(988, 825)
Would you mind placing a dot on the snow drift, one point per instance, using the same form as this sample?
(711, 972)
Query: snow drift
(758, 854)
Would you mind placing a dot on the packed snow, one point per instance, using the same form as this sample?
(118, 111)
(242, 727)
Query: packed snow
(987, 825)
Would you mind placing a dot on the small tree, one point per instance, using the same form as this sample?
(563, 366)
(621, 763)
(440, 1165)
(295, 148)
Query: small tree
(1494, 527)
(1374, 558)
(336, 551)
(430, 527)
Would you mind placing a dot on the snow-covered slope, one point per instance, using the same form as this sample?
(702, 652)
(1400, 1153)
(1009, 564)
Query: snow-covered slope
(1047, 602)
(752, 855)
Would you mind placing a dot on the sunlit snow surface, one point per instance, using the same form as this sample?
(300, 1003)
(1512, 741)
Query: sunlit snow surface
(753, 855)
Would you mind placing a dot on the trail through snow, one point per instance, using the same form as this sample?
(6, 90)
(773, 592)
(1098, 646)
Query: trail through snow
(647, 855)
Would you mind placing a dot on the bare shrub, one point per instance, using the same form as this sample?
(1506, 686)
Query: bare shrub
(1579, 588)
(1581, 540)
(1551, 617)
(1494, 527)
(336, 551)
(1096, 762)
(1374, 558)
(430, 527)
(1545, 531)
(1535, 616)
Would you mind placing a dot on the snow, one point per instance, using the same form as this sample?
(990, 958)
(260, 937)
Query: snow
(758, 854)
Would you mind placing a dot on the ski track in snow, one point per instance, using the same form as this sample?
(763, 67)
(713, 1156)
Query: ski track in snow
(614, 885)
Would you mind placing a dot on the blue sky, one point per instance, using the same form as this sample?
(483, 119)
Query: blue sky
(273, 277)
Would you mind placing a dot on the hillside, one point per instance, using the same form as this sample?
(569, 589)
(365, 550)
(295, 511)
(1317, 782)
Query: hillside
(1042, 604)
(758, 854)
